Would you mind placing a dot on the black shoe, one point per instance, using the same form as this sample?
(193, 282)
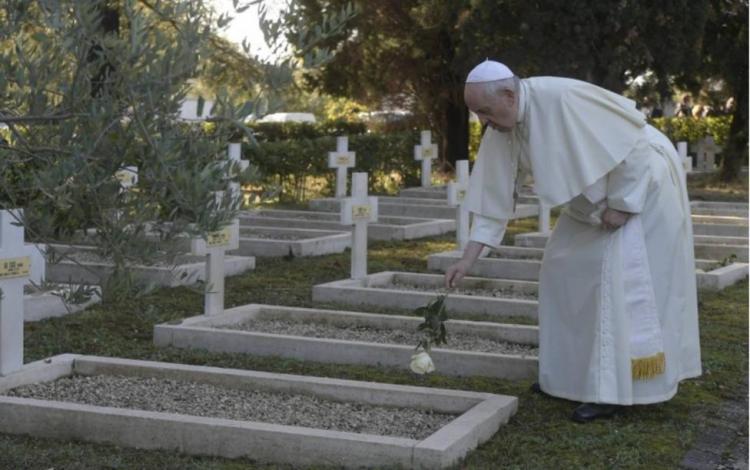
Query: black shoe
(591, 411)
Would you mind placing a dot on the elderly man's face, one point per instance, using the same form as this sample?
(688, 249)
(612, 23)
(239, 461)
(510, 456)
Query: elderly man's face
(498, 111)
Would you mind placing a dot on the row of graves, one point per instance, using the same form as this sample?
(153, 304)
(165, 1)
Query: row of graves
(306, 420)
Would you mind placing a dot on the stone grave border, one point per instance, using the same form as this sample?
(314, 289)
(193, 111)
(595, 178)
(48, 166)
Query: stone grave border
(43, 305)
(528, 270)
(66, 271)
(431, 208)
(702, 250)
(383, 230)
(365, 292)
(201, 332)
(314, 242)
(480, 416)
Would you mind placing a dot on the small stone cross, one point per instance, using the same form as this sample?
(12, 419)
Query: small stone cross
(15, 271)
(456, 194)
(426, 152)
(359, 210)
(706, 154)
(341, 159)
(214, 248)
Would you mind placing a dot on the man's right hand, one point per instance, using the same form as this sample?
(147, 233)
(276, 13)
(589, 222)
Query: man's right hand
(456, 272)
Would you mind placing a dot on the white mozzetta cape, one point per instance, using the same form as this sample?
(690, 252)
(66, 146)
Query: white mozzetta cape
(571, 132)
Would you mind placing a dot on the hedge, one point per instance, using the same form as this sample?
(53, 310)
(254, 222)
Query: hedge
(692, 130)
(295, 154)
(388, 158)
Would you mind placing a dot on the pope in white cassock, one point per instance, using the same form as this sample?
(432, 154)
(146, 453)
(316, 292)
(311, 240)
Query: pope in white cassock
(618, 316)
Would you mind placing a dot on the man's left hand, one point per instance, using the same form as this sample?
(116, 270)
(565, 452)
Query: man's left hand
(613, 219)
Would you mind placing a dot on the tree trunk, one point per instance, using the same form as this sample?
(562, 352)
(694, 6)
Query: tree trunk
(109, 23)
(455, 133)
(735, 150)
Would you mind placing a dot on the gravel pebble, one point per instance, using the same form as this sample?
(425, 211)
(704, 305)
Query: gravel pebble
(460, 341)
(504, 292)
(198, 399)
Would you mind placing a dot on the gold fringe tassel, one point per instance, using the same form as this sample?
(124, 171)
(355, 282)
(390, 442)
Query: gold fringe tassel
(648, 367)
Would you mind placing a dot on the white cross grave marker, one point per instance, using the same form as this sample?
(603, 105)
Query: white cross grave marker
(216, 244)
(235, 158)
(15, 270)
(359, 210)
(687, 162)
(341, 159)
(706, 154)
(426, 152)
(456, 194)
(214, 247)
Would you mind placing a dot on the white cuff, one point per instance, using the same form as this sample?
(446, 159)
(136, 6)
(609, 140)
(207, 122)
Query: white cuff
(488, 231)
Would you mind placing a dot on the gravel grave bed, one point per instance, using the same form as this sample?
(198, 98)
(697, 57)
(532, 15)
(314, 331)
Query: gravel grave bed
(272, 236)
(459, 341)
(86, 256)
(198, 399)
(505, 292)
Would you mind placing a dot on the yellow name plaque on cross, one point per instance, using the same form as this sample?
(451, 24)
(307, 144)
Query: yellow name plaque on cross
(125, 177)
(461, 195)
(15, 267)
(343, 160)
(427, 152)
(218, 238)
(361, 212)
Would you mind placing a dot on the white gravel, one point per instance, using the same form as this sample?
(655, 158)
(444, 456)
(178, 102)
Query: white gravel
(197, 399)
(271, 236)
(460, 341)
(504, 292)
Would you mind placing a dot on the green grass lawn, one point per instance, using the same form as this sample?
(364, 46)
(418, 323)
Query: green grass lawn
(539, 436)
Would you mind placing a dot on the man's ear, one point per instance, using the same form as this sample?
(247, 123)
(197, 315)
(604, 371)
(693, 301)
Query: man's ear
(509, 96)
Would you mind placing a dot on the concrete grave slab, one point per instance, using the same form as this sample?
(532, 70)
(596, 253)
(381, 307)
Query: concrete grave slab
(221, 333)
(737, 209)
(720, 219)
(281, 241)
(378, 290)
(722, 252)
(703, 250)
(722, 277)
(412, 207)
(188, 269)
(386, 228)
(44, 304)
(433, 192)
(504, 262)
(525, 263)
(440, 192)
(478, 417)
(721, 230)
(719, 240)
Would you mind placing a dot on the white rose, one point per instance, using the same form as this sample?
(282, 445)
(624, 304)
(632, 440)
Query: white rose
(421, 363)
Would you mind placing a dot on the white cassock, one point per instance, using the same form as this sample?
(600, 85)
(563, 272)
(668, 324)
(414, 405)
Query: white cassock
(610, 302)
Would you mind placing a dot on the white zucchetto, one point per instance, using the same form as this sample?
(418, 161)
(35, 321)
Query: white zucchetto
(489, 71)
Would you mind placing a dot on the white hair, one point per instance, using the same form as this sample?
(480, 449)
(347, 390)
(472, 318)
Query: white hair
(496, 86)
